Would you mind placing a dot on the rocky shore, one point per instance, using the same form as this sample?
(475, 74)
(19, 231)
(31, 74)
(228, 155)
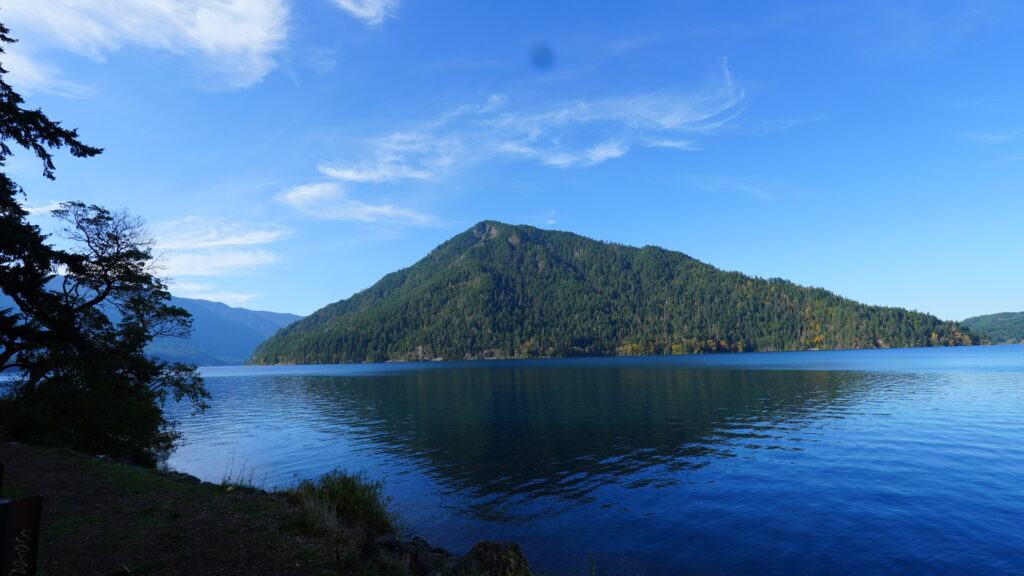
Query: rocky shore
(484, 559)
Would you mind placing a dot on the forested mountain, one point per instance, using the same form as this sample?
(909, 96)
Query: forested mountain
(502, 291)
(1002, 327)
(221, 334)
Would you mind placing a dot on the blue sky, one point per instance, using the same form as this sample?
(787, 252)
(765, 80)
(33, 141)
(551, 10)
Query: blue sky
(287, 154)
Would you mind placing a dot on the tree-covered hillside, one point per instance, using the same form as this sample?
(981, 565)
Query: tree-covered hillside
(502, 291)
(1002, 327)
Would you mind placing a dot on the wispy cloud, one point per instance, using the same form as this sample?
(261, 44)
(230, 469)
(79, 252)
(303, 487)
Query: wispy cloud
(688, 145)
(990, 137)
(372, 12)
(381, 170)
(196, 247)
(209, 292)
(31, 75)
(743, 186)
(194, 233)
(216, 262)
(571, 134)
(329, 201)
(321, 60)
(595, 155)
(44, 209)
(1007, 159)
(566, 135)
(786, 124)
(236, 39)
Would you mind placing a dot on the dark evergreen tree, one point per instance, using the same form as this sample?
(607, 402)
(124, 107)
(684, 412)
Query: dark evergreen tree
(75, 342)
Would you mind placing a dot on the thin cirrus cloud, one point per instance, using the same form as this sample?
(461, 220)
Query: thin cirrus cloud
(565, 135)
(44, 209)
(571, 134)
(194, 233)
(216, 262)
(197, 247)
(383, 170)
(990, 137)
(235, 39)
(329, 201)
(590, 157)
(209, 292)
(372, 12)
(29, 72)
(744, 186)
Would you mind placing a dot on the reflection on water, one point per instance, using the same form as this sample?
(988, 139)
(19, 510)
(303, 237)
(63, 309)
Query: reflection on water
(657, 466)
(560, 433)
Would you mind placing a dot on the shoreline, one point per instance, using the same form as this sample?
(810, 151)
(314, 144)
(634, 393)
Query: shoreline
(100, 516)
(716, 354)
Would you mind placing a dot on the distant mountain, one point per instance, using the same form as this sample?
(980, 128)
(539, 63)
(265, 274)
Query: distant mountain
(1003, 327)
(221, 335)
(503, 291)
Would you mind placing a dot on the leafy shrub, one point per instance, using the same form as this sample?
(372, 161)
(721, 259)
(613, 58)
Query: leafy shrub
(340, 496)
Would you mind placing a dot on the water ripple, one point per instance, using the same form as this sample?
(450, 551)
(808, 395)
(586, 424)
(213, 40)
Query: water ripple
(882, 462)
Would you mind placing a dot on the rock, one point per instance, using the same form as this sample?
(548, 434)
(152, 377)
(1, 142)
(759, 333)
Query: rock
(419, 558)
(389, 541)
(426, 560)
(449, 564)
(386, 543)
(494, 559)
(182, 477)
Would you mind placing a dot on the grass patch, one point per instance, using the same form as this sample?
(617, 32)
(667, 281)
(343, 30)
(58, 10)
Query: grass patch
(244, 479)
(138, 480)
(59, 528)
(13, 493)
(342, 497)
(152, 511)
(99, 515)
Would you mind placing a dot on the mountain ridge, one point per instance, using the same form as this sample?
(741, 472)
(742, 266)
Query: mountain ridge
(1003, 327)
(221, 334)
(513, 291)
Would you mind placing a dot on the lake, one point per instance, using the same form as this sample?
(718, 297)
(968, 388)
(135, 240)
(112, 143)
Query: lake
(846, 462)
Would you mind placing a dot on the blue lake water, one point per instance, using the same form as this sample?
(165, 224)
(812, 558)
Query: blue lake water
(851, 462)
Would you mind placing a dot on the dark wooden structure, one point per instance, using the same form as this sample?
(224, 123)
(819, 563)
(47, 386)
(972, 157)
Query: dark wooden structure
(19, 533)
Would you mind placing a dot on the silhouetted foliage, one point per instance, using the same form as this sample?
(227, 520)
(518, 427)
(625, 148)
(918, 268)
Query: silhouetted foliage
(74, 342)
(501, 291)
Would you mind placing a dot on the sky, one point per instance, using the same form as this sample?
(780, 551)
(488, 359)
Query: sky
(286, 154)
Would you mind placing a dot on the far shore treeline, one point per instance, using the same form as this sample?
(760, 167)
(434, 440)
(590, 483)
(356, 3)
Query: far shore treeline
(1002, 328)
(503, 291)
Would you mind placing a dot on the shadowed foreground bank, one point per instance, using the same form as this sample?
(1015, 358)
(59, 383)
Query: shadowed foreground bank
(100, 516)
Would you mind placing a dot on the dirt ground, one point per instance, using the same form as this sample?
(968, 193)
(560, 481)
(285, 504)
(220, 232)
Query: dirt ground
(99, 516)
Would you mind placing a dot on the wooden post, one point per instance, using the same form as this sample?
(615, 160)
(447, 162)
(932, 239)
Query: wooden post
(19, 535)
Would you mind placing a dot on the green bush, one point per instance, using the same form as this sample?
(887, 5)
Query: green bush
(108, 416)
(340, 496)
